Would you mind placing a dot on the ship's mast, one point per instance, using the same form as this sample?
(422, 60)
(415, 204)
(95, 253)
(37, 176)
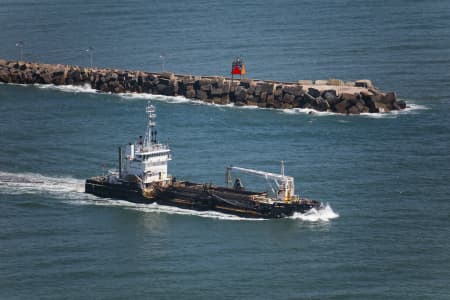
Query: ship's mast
(150, 134)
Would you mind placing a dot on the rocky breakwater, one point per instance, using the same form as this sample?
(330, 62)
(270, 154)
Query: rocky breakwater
(322, 95)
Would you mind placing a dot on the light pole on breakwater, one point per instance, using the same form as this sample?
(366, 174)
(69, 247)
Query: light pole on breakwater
(20, 45)
(90, 51)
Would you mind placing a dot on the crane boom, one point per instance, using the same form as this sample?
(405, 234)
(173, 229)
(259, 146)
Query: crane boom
(266, 175)
(284, 184)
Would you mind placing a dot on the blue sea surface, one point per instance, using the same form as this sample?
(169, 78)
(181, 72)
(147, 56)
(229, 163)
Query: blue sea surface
(385, 177)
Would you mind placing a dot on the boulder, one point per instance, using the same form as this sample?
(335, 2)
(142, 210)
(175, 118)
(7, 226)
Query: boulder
(218, 82)
(216, 91)
(330, 96)
(247, 83)
(264, 87)
(364, 83)
(361, 106)
(59, 77)
(288, 98)
(45, 78)
(76, 75)
(401, 104)
(371, 104)
(118, 89)
(278, 91)
(307, 106)
(389, 98)
(164, 81)
(352, 98)
(190, 94)
(286, 106)
(162, 89)
(167, 75)
(226, 98)
(241, 94)
(204, 85)
(295, 90)
(320, 104)
(103, 87)
(4, 75)
(251, 103)
(314, 92)
(201, 94)
(226, 88)
(354, 110)
(263, 97)
(342, 106)
(307, 97)
(262, 104)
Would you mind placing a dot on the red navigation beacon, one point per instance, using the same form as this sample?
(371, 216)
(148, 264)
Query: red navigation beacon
(238, 67)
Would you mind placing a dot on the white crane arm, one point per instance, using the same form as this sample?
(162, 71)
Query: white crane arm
(266, 175)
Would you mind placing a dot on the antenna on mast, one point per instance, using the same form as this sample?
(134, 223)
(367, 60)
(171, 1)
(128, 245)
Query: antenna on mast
(150, 134)
(282, 167)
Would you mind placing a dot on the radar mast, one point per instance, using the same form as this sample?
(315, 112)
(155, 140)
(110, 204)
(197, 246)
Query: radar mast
(150, 134)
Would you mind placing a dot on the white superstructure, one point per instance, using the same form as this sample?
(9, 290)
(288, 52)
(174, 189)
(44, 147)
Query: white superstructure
(146, 158)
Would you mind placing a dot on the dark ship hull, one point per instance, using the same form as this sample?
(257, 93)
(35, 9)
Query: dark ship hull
(201, 197)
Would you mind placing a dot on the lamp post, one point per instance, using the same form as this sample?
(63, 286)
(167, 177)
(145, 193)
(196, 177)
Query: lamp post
(163, 62)
(20, 45)
(90, 50)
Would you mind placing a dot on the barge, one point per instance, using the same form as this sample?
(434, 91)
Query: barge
(142, 177)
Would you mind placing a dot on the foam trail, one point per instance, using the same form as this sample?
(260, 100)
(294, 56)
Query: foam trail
(157, 208)
(323, 214)
(27, 183)
(72, 191)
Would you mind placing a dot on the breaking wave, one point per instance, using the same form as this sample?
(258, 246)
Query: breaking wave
(68, 88)
(411, 107)
(169, 99)
(323, 214)
(72, 191)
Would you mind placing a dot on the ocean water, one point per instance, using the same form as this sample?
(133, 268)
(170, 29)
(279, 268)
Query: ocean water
(385, 177)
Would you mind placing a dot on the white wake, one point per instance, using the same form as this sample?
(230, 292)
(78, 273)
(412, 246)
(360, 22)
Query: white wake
(72, 191)
(32, 183)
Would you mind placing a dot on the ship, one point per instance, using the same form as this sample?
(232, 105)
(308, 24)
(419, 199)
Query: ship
(142, 177)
